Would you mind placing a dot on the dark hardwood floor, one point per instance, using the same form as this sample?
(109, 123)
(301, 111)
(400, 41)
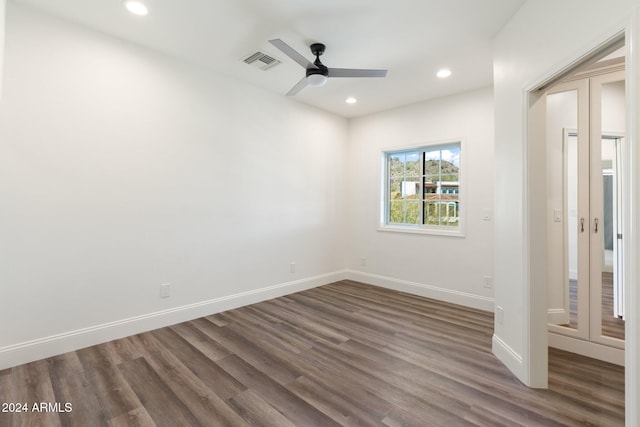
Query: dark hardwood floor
(343, 354)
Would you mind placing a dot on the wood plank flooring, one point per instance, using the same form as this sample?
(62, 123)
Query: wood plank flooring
(345, 354)
(611, 326)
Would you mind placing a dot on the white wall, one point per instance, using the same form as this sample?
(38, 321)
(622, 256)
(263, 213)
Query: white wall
(613, 108)
(449, 268)
(3, 5)
(541, 38)
(121, 169)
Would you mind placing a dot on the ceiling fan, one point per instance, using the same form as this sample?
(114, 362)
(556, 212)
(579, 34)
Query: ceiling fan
(317, 73)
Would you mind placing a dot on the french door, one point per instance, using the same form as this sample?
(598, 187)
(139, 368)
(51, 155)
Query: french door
(585, 134)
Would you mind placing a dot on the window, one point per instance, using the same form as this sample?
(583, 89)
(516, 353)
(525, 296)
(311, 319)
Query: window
(422, 189)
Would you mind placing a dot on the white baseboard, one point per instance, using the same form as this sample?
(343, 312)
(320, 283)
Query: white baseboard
(41, 348)
(442, 294)
(510, 358)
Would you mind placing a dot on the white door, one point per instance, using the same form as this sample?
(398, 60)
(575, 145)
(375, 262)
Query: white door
(568, 139)
(607, 137)
(585, 133)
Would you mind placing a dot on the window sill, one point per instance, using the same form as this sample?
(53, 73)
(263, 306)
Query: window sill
(421, 230)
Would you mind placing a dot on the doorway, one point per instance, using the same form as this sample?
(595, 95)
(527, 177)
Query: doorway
(585, 116)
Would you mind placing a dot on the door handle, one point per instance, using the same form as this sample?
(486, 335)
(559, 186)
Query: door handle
(595, 225)
(582, 225)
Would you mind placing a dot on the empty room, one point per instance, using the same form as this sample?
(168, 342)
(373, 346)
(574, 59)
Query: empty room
(338, 213)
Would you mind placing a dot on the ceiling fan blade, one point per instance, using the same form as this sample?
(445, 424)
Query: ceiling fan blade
(298, 87)
(292, 53)
(350, 72)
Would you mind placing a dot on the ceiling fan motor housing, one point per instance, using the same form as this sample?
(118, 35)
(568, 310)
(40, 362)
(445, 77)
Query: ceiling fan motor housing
(317, 49)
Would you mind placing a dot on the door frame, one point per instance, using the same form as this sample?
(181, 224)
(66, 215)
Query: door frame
(535, 340)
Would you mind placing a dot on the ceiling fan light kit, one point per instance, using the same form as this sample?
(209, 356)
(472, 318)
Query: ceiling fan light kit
(317, 73)
(316, 79)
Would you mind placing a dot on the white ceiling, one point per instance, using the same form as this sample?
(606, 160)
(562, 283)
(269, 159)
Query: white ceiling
(410, 38)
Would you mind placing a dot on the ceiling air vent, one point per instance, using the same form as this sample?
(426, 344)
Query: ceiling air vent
(261, 60)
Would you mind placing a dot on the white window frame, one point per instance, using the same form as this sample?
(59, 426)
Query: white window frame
(438, 230)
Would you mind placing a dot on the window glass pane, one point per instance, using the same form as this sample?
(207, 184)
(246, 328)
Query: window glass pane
(396, 164)
(413, 212)
(410, 188)
(413, 164)
(441, 186)
(395, 190)
(432, 212)
(450, 214)
(451, 156)
(432, 167)
(432, 155)
(396, 212)
(430, 185)
(450, 188)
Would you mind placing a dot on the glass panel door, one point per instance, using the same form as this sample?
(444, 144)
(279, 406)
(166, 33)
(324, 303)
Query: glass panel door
(612, 293)
(607, 133)
(567, 206)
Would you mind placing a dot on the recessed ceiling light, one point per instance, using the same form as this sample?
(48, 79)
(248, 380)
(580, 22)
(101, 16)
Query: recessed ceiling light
(136, 7)
(444, 73)
(351, 100)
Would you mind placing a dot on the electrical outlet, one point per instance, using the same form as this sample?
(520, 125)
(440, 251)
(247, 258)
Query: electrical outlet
(487, 281)
(165, 290)
(363, 261)
(292, 267)
(499, 315)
